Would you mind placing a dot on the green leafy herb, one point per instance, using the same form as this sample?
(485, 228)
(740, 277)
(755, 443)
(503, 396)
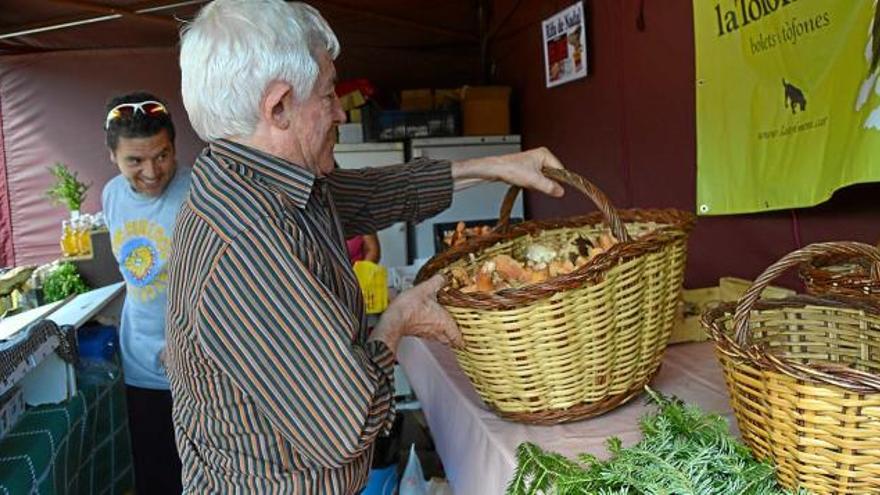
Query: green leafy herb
(62, 282)
(67, 190)
(684, 451)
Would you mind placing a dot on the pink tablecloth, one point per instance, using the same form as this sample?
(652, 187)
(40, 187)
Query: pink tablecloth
(478, 449)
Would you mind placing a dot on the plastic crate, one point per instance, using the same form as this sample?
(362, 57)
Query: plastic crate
(397, 125)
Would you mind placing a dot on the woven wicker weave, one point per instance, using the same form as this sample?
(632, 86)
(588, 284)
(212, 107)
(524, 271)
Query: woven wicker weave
(842, 275)
(580, 344)
(804, 379)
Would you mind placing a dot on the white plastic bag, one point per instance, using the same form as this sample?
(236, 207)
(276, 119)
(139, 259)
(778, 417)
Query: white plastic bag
(413, 480)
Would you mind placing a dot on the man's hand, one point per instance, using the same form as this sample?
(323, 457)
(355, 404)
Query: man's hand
(417, 313)
(519, 169)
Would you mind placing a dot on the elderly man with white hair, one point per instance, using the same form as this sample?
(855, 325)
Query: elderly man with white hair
(277, 387)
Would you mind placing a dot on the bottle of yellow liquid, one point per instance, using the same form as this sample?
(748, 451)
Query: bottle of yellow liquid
(69, 244)
(83, 238)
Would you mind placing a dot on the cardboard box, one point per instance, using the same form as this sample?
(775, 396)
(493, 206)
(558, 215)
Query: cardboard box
(416, 100)
(733, 288)
(352, 100)
(695, 302)
(486, 110)
(447, 98)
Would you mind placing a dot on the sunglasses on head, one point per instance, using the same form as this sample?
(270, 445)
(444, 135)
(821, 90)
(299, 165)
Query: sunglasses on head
(127, 110)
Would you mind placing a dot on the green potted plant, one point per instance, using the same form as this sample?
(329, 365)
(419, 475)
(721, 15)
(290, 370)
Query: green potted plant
(67, 190)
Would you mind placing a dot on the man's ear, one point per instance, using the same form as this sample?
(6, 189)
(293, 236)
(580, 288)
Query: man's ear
(113, 157)
(274, 108)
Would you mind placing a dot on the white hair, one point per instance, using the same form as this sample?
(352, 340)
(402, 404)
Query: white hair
(232, 51)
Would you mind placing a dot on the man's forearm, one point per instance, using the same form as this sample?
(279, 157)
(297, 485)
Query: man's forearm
(371, 199)
(468, 173)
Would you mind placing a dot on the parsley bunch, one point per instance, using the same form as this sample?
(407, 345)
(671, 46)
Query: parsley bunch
(62, 282)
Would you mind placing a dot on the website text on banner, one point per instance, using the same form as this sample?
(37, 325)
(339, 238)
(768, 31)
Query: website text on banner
(788, 102)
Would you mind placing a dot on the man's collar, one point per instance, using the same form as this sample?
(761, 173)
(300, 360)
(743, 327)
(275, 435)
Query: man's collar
(293, 179)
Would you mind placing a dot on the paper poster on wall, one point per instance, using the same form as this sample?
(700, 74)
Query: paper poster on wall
(565, 46)
(788, 101)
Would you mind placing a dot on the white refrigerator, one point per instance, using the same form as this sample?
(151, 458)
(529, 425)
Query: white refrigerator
(476, 203)
(392, 240)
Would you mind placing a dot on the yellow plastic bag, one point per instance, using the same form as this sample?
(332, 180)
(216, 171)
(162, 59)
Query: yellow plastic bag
(373, 280)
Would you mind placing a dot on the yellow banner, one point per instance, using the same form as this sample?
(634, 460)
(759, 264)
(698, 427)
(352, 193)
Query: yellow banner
(788, 101)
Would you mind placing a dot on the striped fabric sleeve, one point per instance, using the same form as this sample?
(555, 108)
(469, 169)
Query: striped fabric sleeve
(283, 338)
(370, 199)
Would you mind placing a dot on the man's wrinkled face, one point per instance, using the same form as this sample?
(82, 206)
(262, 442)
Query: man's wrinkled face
(316, 118)
(148, 163)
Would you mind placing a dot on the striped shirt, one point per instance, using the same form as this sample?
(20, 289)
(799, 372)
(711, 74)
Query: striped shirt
(276, 389)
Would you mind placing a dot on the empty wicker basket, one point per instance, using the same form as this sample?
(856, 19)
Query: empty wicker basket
(579, 344)
(804, 378)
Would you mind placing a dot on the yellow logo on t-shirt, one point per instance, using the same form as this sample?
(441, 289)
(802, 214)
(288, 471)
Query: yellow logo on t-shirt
(142, 247)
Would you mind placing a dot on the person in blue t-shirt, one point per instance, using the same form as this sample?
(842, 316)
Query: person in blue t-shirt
(140, 206)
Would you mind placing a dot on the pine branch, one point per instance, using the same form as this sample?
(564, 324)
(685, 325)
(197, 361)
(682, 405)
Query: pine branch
(683, 451)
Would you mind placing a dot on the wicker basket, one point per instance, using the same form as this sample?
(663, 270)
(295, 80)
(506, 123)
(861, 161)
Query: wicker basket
(803, 374)
(580, 344)
(842, 275)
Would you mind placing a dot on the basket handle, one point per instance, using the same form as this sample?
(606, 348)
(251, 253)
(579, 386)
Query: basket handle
(875, 267)
(747, 302)
(612, 219)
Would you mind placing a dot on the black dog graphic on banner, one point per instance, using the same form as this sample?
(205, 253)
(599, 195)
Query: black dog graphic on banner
(794, 97)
